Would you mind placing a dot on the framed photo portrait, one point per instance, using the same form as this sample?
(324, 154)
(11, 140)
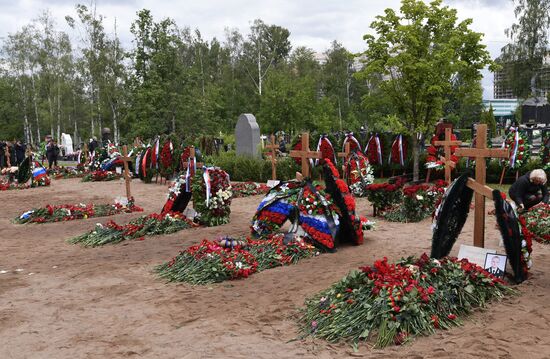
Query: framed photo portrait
(495, 264)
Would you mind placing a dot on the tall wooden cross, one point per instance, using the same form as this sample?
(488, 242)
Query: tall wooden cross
(480, 152)
(7, 155)
(193, 160)
(345, 156)
(305, 154)
(447, 144)
(273, 155)
(127, 178)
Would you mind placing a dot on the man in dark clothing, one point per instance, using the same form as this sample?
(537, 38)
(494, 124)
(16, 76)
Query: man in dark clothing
(52, 152)
(2, 154)
(20, 149)
(530, 189)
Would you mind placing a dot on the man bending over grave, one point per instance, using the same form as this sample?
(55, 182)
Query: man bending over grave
(530, 189)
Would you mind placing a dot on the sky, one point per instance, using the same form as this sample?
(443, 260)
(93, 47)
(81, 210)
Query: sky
(312, 23)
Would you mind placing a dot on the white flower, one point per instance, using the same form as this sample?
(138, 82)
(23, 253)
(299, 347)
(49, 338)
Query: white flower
(419, 197)
(529, 264)
(437, 262)
(523, 243)
(238, 265)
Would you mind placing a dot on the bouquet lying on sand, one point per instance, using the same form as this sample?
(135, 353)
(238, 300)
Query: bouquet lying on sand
(69, 212)
(152, 224)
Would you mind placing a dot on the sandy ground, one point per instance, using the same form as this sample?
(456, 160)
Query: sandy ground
(106, 303)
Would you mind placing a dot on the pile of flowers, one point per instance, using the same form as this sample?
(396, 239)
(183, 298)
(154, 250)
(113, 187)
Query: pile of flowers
(152, 224)
(359, 174)
(69, 212)
(212, 196)
(384, 195)
(419, 202)
(7, 186)
(246, 189)
(101, 175)
(227, 258)
(436, 152)
(535, 223)
(67, 172)
(391, 303)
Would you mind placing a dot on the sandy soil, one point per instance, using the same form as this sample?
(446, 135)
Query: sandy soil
(106, 303)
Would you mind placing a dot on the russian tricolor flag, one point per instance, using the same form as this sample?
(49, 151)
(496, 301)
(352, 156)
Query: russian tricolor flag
(38, 172)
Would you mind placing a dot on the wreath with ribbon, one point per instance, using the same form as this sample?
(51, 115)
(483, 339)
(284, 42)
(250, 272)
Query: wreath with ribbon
(327, 150)
(373, 150)
(436, 152)
(519, 149)
(354, 145)
(212, 195)
(398, 153)
(166, 159)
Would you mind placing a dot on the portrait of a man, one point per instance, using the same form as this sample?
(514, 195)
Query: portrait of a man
(495, 264)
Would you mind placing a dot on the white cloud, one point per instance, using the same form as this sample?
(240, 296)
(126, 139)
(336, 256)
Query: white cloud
(312, 23)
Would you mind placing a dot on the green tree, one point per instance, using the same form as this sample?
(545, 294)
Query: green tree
(418, 53)
(488, 118)
(524, 56)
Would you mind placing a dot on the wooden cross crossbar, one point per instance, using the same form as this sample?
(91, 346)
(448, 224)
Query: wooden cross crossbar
(305, 154)
(127, 178)
(273, 155)
(480, 152)
(447, 144)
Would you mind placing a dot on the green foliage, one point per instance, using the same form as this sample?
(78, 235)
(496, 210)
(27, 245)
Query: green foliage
(488, 118)
(415, 56)
(245, 168)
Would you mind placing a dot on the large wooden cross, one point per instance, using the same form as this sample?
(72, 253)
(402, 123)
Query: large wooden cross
(480, 152)
(447, 144)
(127, 178)
(345, 156)
(305, 154)
(273, 156)
(193, 160)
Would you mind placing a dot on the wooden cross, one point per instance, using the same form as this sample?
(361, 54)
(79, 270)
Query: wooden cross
(344, 155)
(273, 155)
(305, 154)
(127, 178)
(7, 155)
(447, 144)
(194, 159)
(480, 152)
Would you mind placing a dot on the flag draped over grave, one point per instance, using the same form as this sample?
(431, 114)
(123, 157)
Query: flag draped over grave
(325, 219)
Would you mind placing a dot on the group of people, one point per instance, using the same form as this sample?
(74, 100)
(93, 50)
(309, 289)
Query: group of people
(12, 153)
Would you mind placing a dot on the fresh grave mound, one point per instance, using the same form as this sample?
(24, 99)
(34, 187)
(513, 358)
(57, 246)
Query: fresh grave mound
(228, 258)
(101, 175)
(246, 189)
(535, 223)
(452, 212)
(324, 220)
(68, 212)
(152, 224)
(67, 172)
(391, 303)
(325, 215)
(399, 201)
